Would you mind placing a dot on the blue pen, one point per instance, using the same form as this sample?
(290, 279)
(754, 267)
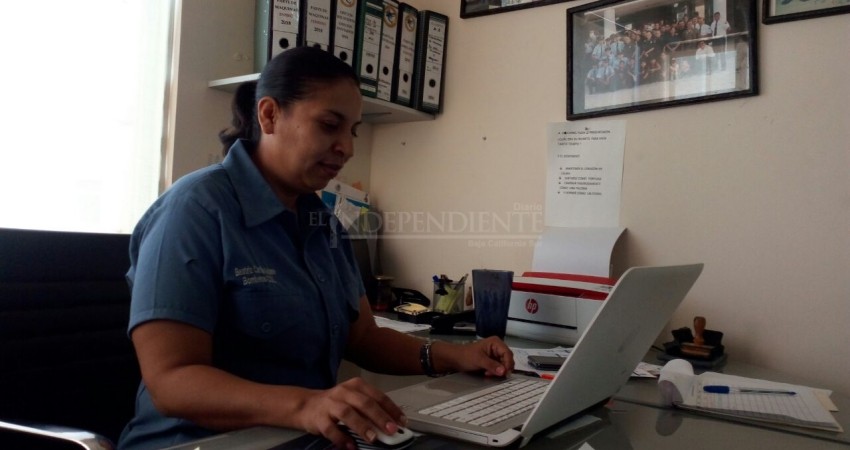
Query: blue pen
(718, 389)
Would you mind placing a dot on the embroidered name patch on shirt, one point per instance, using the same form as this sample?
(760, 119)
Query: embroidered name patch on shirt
(255, 275)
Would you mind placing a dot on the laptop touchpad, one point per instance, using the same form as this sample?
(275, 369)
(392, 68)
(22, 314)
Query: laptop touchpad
(441, 389)
(448, 386)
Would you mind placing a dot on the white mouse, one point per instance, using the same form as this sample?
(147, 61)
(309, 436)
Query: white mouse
(401, 439)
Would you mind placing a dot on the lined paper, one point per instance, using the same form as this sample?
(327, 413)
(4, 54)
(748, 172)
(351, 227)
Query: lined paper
(679, 386)
(803, 406)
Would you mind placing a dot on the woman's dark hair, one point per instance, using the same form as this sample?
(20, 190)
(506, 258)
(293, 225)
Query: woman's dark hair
(287, 78)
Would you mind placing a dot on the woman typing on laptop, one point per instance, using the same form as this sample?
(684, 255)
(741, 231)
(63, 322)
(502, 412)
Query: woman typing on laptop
(245, 292)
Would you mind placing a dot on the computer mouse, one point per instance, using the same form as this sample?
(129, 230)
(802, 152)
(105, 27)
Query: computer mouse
(403, 438)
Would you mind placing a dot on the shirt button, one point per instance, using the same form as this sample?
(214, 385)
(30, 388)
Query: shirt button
(335, 330)
(266, 327)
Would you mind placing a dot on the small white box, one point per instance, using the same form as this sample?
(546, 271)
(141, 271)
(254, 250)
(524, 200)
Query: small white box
(555, 307)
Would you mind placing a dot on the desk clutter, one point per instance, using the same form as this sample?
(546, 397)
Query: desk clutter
(398, 52)
(414, 307)
(544, 306)
(450, 304)
(703, 348)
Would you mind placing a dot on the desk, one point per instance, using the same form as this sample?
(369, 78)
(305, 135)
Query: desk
(633, 419)
(622, 426)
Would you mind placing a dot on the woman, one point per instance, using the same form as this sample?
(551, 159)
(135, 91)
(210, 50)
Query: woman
(246, 295)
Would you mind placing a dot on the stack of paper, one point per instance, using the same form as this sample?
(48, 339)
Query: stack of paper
(746, 398)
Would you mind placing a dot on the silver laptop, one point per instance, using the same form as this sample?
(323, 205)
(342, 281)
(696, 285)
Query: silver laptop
(632, 316)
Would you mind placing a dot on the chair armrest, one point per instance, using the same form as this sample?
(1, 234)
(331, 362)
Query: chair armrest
(83, 438)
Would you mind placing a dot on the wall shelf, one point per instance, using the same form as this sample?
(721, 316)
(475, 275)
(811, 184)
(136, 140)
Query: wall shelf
(374, 110)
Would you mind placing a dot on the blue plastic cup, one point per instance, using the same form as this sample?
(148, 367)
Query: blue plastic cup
(491, 291)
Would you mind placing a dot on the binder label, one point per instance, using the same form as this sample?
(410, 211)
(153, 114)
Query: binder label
(406, 56)
(388, 38)
(284, 25)
(434, 63)
(371, 51)
(285, 16)
(318, 27)
(345, 30)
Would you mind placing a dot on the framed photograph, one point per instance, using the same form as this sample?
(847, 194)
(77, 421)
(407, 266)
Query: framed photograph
(633, 55)
(475, 8)
(774, 11)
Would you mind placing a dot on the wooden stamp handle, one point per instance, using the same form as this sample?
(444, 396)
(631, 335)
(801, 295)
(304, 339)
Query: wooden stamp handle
(699, 327)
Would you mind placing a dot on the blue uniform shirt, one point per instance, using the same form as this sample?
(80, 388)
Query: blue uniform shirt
(276, 290)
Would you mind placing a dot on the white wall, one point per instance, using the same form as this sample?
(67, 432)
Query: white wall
(756, 188)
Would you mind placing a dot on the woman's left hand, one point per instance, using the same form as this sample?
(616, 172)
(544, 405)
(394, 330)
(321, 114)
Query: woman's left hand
(491, 355)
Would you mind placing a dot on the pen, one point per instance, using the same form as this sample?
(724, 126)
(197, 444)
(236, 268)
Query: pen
(462, 279)
(717, 389)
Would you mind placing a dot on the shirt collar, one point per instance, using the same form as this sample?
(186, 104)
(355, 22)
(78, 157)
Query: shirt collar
(259, 203)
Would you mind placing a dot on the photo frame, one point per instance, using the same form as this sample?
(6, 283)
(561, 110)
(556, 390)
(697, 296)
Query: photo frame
(475, 8)
(625, 56)
(776, 11)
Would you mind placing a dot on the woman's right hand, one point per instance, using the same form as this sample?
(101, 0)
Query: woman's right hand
(363, 408)
(176, 363)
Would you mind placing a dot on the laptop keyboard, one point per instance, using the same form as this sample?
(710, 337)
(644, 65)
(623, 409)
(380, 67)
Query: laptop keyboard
(491, 405)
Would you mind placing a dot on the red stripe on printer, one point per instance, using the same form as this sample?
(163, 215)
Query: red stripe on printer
(559, 290)
(571, 277)
(570, 291)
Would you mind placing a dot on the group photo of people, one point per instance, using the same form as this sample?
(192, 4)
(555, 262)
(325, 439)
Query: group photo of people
(681, 50)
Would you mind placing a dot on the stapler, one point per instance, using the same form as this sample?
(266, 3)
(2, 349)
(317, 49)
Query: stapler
(461, 323)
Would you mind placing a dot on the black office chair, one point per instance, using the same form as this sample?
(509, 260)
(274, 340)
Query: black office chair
(68, 372)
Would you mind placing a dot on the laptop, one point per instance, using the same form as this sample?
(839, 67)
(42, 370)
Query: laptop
(627, 324)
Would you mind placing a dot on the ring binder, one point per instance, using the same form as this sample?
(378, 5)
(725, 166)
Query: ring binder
(344, 29)
(285, 16)
(402, 91)
(368, 45)
(388, 50)
(431, 61)
(276, 29)
(316, 23)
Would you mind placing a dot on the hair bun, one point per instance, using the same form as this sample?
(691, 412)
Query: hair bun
(242, 124)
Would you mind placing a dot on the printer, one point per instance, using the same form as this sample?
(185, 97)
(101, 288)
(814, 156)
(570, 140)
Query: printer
(555, 307)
